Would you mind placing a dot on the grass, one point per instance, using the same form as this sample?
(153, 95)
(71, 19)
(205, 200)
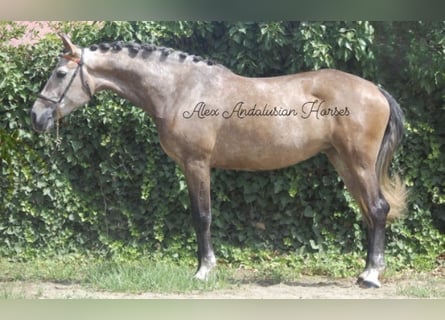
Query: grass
(424, 286)
(429, 291)
(153, 276)
(10, 291)
(166, 275)
(162, 275)
(114, 275)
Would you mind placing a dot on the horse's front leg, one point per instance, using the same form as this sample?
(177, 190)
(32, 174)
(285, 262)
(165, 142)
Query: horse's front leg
(198, 181)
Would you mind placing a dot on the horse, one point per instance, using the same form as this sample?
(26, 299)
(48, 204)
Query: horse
(210, 117)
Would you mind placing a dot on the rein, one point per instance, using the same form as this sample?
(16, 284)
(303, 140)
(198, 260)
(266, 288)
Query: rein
(80, 64)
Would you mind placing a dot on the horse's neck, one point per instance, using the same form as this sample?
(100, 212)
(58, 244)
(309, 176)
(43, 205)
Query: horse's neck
(147, 83)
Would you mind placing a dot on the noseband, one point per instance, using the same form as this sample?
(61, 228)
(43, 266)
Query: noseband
(82, 79)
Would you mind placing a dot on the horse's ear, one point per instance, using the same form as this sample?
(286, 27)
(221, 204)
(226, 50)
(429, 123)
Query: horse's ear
(69, 46)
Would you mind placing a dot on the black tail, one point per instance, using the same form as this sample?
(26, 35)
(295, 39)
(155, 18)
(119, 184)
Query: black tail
(393, 188)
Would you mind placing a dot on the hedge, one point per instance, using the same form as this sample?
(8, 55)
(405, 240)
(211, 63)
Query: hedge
(109, 185)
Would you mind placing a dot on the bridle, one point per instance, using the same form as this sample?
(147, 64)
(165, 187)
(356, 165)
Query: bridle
(85, 85)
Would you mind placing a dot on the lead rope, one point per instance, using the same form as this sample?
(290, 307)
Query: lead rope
(58, 137)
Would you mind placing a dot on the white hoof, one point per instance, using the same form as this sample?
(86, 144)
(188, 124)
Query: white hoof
(369, 279)
(204, 270)
(202, 274)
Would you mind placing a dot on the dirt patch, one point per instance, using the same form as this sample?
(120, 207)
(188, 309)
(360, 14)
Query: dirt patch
(304, 288)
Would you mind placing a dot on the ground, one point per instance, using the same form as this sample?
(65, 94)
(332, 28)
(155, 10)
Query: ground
(425, 286)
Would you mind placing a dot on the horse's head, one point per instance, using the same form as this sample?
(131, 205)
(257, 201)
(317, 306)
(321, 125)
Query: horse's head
(68, 88)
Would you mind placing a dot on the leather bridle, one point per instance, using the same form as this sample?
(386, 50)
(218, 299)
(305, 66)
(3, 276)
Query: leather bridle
(85, 84)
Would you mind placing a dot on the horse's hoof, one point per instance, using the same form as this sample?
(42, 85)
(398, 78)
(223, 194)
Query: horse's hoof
(201, 275)
(204, 272)
(205, 267)
(369, 279)
(368, 284)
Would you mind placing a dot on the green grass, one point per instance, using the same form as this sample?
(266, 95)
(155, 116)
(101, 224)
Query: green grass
(431, 287)
(153, 276)
(115, 275)
(10, 291)
(161, 274)
(66, 268)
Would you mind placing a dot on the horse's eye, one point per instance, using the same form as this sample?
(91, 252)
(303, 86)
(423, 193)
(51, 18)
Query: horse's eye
(61, 73)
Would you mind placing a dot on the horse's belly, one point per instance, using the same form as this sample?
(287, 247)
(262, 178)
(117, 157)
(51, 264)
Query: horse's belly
(264, 156)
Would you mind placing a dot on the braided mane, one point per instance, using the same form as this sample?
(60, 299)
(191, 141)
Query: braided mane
(147, 49)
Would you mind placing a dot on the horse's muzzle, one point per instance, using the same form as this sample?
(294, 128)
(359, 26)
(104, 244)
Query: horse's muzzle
(42, 123)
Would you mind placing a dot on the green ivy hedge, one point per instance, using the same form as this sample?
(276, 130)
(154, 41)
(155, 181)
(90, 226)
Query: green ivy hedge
(109, 184)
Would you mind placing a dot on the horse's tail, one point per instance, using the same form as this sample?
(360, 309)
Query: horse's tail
(393, 188)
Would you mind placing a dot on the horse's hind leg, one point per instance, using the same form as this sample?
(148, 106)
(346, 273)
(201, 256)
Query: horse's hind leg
(361, 180)
(377, 210)
(197, 174)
